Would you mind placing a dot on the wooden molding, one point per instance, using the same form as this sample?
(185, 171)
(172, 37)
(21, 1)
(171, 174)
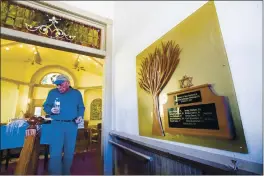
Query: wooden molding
(196, 121)
(14, 81)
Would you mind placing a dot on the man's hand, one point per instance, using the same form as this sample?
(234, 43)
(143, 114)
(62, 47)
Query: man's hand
(54, 110)
(78, 120)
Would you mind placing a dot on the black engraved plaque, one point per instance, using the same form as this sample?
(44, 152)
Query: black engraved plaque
(197, 116)
(186, 98)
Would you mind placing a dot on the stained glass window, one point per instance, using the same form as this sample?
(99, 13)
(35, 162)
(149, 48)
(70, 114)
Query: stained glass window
(49, 78)
(96, 109)
(26, 19)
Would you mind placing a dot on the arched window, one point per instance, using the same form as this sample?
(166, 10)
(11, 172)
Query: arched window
(96, 109)
(49, 78)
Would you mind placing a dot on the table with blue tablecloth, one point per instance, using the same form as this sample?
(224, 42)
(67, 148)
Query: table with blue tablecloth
(12, 139)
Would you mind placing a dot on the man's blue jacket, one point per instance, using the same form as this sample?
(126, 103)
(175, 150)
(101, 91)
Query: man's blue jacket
(71, 104)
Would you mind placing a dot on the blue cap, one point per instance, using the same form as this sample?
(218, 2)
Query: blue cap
(60, 79)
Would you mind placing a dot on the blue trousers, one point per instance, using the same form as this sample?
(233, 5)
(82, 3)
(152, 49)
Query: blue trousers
(63, 136)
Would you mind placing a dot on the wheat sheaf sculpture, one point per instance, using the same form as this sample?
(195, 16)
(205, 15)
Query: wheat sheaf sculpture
(155, 72)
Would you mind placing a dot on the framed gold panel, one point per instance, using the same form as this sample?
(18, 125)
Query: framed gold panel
(203, 59)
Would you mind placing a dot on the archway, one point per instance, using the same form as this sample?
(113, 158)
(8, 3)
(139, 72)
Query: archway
(37, 91)
(39, 75)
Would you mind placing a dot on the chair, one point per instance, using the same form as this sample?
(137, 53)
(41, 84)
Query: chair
(86, 123)
(95, 137)
(9, 154)
(82, 142)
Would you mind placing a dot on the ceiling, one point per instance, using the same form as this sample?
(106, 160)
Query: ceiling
(34, 56)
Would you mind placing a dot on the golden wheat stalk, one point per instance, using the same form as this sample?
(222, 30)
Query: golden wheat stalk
(155, 72)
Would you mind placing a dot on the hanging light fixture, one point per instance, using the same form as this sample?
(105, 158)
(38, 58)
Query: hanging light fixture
(77, 65)
(36, 57)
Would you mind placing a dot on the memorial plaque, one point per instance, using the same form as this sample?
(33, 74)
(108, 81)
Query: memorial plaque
(197, 71)
(196, 116)
(198, 111)
(191, 97)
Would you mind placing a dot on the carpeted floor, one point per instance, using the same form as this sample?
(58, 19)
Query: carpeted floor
(86, 163)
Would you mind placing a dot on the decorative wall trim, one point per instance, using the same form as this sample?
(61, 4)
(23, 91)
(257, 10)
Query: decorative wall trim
(77, 12)
(14, 81)
(206, 158)
(45, 86)
(90, 88)
(26, 18)
(81, 16)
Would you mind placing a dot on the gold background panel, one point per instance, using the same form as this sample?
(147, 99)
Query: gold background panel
(204, 58)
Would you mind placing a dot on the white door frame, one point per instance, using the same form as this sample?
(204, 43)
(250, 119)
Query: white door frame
(70, 12)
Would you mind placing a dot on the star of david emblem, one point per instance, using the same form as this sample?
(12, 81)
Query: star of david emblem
(186, 82)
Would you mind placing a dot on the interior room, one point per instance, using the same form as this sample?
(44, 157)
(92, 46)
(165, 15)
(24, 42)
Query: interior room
(27, 72)
(26, 89)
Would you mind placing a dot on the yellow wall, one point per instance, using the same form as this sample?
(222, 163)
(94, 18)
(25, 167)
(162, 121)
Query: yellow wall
(89, 80)
(40, 92)
(26, 71)
(89, 96)
(9, 97)
(14, 99)
(13, 70)
(22, 103)
(82, 92)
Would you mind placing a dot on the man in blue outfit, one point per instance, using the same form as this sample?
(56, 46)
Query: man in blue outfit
(65, 106)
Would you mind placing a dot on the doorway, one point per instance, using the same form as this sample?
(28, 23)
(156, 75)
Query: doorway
(103, 52)
(34, 79)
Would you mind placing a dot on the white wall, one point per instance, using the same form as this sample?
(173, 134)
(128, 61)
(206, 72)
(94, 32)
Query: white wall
(101, 8)
(138, 24)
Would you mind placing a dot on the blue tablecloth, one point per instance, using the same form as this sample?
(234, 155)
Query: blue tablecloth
(15, 138)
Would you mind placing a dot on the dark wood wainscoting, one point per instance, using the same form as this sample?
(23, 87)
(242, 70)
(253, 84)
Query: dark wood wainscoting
(131, 158)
